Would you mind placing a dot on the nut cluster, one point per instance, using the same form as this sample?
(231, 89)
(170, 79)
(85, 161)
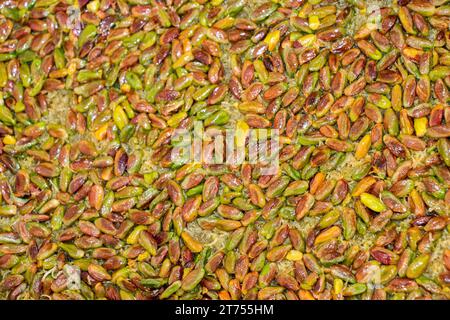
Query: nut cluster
(92, 205)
